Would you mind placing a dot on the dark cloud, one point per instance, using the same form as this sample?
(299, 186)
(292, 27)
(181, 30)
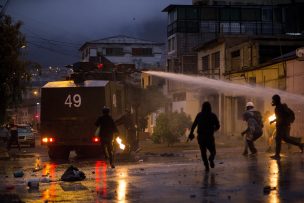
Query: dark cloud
(56, 29)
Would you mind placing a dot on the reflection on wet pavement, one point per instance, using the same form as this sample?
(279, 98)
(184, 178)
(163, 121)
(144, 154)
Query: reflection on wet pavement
(122, 185)
(234, 179)
(49, 171)
(274, 181)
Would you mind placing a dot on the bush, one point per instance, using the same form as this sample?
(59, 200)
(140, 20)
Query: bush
(170, 127)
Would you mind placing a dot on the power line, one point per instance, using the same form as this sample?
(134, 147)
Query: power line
(51, 50)
(35, 35)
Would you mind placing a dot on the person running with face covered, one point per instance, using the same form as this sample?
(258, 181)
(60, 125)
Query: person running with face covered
(207, 123)
(283, 124)
(254, 128)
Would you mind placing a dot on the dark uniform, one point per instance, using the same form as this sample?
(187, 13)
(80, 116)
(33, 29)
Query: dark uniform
(282, 127)
(107, 129)
(207, 123)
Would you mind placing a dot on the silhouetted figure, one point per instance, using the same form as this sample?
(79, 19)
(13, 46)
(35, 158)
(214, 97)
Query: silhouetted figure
(207, 123)
(254, 128)
(283, 124)
(127, 121)
(13, 138)
(107, 129)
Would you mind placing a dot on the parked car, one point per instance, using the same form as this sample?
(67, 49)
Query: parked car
(26, 135)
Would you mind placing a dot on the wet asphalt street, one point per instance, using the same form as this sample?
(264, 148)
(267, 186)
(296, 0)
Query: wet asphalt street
(178, 177)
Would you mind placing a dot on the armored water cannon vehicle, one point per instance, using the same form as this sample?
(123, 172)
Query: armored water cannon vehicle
(69, 112)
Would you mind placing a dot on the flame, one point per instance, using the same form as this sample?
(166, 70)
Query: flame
(37, 164)
(119, 142)
(272, 117)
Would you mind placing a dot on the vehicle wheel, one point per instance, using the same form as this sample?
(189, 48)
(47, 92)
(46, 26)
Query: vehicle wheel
(58, 153)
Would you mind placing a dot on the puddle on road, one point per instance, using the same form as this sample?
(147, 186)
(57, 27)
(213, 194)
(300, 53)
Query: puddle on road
(73, 186)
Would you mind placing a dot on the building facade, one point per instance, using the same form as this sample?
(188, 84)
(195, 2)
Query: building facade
(124, 50)
(192, 26)
(243, 2)
(244, 60)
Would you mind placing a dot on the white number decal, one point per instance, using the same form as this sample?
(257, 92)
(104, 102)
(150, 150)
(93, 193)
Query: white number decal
(68, 101)
(76, 101)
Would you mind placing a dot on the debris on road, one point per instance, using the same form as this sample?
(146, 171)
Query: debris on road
(45, 180)
(33, 183)
(73, 174)
(18, 174)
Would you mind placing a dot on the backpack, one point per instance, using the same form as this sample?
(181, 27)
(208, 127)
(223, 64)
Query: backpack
(259, 125)
(289, 115)
(258, 117)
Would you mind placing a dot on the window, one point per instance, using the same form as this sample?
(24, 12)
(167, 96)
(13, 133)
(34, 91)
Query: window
(241, 103)
(172, 17)
(142, 52)
(235, 14)
(235, 54)
(252, 81)
(171, 44)
(205, 63)
(235, 60)
(114, 52)
(93, 52)
(277, 15)
(225, 14)
(209, 14)
(266, 14)
(192, 13)
(251, 14)
(215, 60)
(188, 13)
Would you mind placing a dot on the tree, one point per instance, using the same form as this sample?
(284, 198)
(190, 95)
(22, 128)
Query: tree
(170, 126)
(145, 102)
(13, 74)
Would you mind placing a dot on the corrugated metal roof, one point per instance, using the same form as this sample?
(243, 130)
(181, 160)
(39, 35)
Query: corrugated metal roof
(122, 39)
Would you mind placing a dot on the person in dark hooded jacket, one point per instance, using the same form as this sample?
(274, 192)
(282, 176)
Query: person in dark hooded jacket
(207, 123)
(282, 127)
(107, 129)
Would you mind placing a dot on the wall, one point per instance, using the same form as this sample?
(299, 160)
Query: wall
(294, 84)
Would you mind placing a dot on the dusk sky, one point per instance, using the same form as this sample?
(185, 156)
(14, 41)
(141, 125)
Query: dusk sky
(56, 29)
